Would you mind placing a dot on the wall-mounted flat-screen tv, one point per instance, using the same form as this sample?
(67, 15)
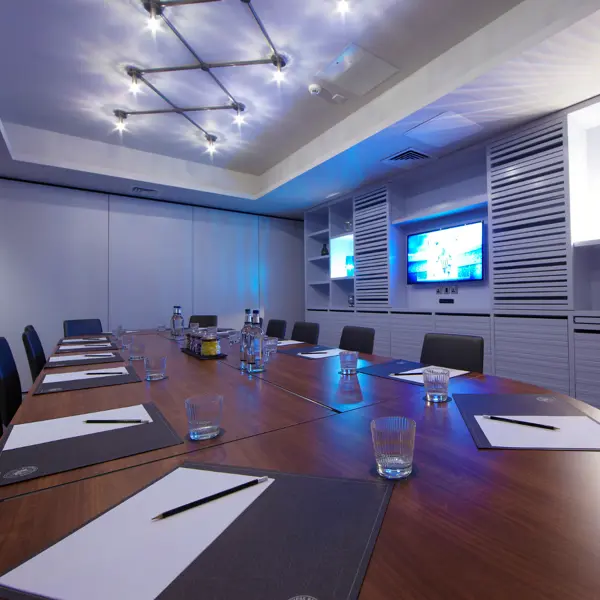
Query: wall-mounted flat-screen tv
(448, 254)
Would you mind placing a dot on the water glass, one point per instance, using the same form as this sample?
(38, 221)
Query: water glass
(393, 444)
(204, 413)
(269, 347)
(348, 362)
(156, 367)
(436, 384)
(136, 350)
(126, 341)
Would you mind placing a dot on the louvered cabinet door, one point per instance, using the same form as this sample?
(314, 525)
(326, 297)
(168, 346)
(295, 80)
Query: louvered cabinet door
(371, 225)
(407, 333)
(587, 363)
(529, 235)
(533, 349)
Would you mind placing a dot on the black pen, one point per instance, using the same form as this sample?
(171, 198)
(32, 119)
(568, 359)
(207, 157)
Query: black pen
(105, 373)
(116, 421)
(237, 488)
(517, 422)
(404, 374)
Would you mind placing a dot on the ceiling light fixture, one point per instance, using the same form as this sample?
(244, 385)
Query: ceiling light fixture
(343, 7)
(279, 62)
(121, 116)
(211, 141)
(134, 87)
(156, 12)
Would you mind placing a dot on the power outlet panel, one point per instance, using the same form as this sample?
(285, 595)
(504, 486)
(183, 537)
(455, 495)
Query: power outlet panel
(445, 290)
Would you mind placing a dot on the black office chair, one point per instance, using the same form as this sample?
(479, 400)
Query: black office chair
(463, 352)
(34, 351)
(204, 320)
(359, 339)
(276, 328)
(10, 384)
(305, 332)
(75, 327)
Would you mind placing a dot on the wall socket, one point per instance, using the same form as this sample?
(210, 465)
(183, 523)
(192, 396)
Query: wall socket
(445, 290)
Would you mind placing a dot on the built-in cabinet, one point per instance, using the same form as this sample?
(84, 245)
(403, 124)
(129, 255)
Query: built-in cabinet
(538, 307)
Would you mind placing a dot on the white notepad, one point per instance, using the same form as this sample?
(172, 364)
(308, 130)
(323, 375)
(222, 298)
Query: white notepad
(419, 378)
(288, 342)
(575, 432)
(124, 554)
(97, 339)
(84, 346)
(41, 432)
(78, 375)
(327, 353)
(80, 357)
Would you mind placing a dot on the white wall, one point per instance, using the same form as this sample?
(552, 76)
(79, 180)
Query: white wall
(67, 254)
(226, 265)
(53, 262)
(150, 254)
(281, 245)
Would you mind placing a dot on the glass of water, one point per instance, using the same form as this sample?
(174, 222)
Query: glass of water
(136, 350)
(348, 362)
(204, 413)
(393, 444)
(436, 381)
(126, 341)
(270, 347)
(156, 367)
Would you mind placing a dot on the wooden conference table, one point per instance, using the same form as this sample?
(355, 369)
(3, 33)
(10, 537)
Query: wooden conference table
(467, 524)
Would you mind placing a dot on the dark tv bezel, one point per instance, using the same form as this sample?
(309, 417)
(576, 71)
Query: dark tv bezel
(438, 281)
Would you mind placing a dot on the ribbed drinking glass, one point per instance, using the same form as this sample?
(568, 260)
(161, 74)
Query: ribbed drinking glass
(393, 444)
(436, 381)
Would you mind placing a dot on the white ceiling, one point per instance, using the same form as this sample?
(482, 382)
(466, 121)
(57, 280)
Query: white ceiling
(285, 127)
(67, 58)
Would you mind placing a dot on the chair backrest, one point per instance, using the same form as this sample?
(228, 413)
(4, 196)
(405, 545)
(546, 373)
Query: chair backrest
(204, 320)
(34, 351)
(359, 339)
(306, 332)
(276, 328)
(82, 327)
(464, 352)
(10, 384)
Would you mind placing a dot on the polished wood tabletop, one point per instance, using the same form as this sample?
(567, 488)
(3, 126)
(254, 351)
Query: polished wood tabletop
(467, 524)
(250, 407)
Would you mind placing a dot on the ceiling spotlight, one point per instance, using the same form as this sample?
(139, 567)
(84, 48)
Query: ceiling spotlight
(279, 62)
(279, 76)
(239, 119)
(121, 116)
(343, 7)
(134, 87)
(211, 141)
(154, 24)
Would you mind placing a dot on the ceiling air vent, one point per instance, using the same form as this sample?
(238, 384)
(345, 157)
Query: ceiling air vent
(142, 191)
(408, 155)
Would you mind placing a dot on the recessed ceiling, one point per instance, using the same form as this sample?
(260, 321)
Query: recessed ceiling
(67, 77)
(65, 72)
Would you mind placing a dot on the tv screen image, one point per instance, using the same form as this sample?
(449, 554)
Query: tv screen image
(450, 254)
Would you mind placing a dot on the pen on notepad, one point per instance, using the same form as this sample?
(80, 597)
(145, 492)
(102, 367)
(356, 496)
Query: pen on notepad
(405, 374)
(106, 373)
(195, 503)
(517, 422)
(116, 421)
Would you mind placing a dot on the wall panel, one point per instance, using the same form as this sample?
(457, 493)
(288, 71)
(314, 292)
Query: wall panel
(53, 262)
(225, 257)
(281, 266)
(150, 262)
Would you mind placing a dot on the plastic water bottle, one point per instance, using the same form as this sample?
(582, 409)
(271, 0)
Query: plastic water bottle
(245, 340)
(177, 323)
(255, 360)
